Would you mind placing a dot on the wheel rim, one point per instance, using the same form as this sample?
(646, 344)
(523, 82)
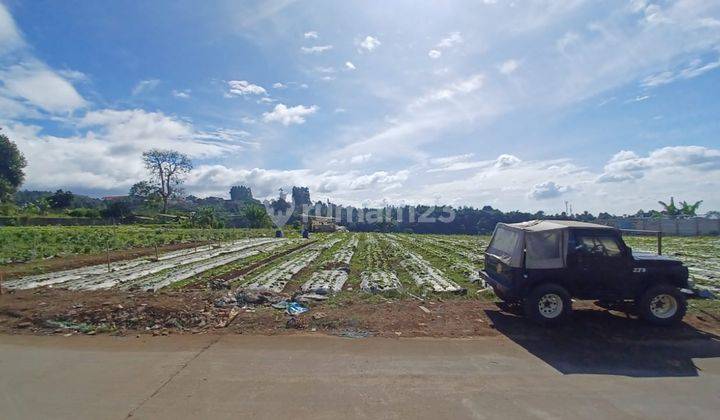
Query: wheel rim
(663, 306)
(550, 305)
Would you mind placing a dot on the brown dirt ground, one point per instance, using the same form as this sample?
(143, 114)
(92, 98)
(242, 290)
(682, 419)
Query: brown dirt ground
(43, 311)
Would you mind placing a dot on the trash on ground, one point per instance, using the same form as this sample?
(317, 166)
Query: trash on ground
(294, 308)
(280, 305)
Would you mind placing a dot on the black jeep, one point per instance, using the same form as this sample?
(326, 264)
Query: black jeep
(543, 264)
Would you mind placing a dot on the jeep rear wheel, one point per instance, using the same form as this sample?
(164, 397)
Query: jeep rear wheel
(662, 305)
(548, 304)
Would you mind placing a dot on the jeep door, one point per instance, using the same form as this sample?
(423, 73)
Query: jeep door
(598, 262)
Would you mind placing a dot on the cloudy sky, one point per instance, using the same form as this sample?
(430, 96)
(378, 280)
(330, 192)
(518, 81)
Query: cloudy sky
(517, 104)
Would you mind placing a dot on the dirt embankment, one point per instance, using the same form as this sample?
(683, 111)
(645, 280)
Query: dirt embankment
(55, 311)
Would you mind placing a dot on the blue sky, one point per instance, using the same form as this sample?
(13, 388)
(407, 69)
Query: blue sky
(517, 104)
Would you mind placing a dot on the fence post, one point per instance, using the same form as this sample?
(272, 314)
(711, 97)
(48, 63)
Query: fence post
(659, 242)
(107, 250)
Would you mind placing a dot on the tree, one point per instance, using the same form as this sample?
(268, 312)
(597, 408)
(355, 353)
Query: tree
(206, 217)
(169, 168)
(300, 196)
(670, 210)
(116, 210)
(61, 199)
(689, 210)
(145, 193)
(240, 193)
(12, 163)
(257, 216)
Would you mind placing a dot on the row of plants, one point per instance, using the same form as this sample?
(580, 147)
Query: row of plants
(22, 244)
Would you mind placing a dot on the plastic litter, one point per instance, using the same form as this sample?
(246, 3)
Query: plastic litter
(294, 308)
(280, 305)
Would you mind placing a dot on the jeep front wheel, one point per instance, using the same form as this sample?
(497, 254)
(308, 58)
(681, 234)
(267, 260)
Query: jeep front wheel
(662, 305)
(548, 304)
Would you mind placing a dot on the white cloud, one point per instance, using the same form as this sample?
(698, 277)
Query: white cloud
(349, 65)
(628, 166)
(546, 190)
(279, 85)
(694, 69)
(451, 40)
(105, 155)
(41, 87)
(508, 67)
(361, 158)
(182, 94)
(434, 54)
(145, 86)
(369, 43)
(10, 37)
(640, 98)
(506, 161)
(386, 180)
(243, 87)
(460, 87)
(317, 49)
(289, 115)
(311, 35)
(73, 75)
(463, 162)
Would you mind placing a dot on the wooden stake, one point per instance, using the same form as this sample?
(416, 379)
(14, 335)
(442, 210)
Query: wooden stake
(107, 250)
(1, 282)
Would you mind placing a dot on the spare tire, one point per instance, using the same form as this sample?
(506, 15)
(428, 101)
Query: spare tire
(662, 305)
(548, 304)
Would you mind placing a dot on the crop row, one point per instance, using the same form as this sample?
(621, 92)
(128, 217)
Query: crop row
(22, 244)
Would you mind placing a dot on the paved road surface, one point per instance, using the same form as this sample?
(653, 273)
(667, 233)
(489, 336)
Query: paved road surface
(219, 377)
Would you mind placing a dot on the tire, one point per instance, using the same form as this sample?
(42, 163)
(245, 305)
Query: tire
(548, 304)
(662, 305)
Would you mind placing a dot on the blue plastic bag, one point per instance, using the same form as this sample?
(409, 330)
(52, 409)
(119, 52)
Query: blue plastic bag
(294, 308)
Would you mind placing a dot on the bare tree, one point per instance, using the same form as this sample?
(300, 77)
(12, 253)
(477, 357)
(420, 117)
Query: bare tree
(168, 168)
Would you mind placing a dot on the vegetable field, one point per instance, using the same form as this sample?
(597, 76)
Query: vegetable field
(23, 244)
(344, 264)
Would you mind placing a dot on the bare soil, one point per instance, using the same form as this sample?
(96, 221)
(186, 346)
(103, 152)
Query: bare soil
(56, 311)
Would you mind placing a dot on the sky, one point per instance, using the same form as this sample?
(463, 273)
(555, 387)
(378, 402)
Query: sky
(610, 106)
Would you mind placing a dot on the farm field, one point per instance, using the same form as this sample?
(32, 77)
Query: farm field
(226, 274)
(25, 244)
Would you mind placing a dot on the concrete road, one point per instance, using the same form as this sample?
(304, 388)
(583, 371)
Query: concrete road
(320, 377)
